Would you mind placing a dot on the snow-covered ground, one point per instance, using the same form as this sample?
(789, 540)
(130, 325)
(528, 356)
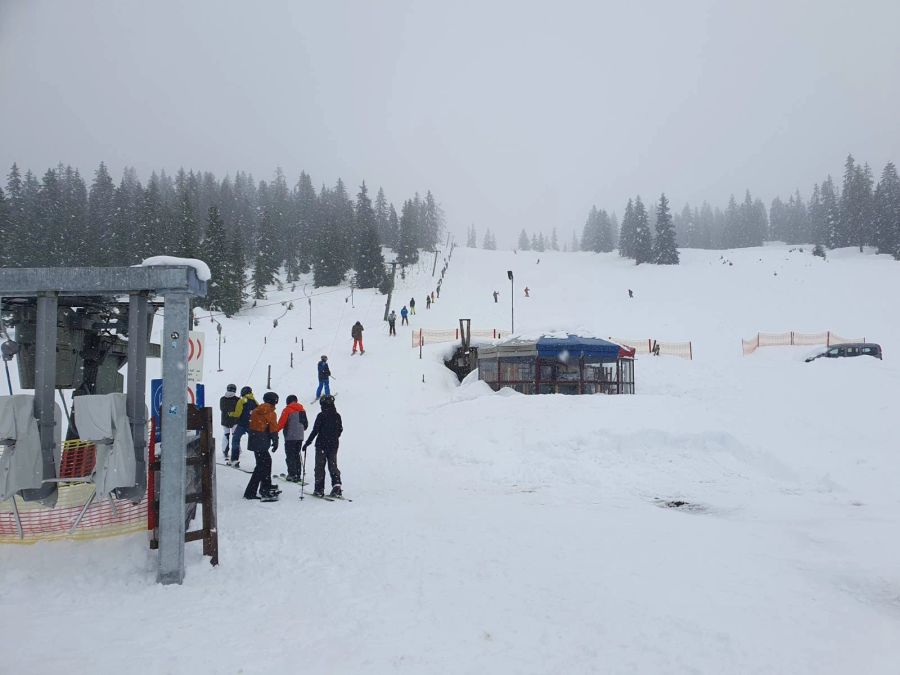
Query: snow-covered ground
(494, 532)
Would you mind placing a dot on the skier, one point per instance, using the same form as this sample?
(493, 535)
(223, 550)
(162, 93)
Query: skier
(356, 332)
(392, 322)
(427, 302)
(263, 434)
(226, 407)
(526, 292)
(326, 432)
(432, 296)
(630, 293)
(324, 374)
(412, 306)
(242, 410)
(404, 316)
(293, 422)
(496, 295)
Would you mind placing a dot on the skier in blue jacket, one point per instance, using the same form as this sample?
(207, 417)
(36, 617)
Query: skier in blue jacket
(404, 316)
(324, 374)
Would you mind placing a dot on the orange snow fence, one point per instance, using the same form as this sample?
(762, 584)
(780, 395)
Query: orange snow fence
(425, 336)
(102, 518)
(794, 339)
(684, 350)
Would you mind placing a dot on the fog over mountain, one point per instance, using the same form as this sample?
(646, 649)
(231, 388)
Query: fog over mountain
(518, 115)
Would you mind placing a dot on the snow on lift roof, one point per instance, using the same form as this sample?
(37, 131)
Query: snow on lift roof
(199, 266)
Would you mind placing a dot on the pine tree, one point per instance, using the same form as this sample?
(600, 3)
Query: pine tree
(489, 243)
(407, 251)
(832, 212)
(887, 211)
(5, 235)
(574, 247)
(393, 240)
(643, 238)
(215, 255)
(369, 262)
(382, 214)
(554, 242)
(589, 235)
(472, 237)
(627, 232)
(664, 250)
(604, 232)
(540, 245)
(234, 280)
(524, 242)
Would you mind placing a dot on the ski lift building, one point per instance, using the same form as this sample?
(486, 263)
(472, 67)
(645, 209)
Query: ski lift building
(553, 365)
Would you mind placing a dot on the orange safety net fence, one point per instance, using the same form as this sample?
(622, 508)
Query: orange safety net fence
(425, 336)
(102, 518)
(793, 339)
(684, 350)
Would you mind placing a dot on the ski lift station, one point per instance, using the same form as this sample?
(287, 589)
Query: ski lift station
(558, 365)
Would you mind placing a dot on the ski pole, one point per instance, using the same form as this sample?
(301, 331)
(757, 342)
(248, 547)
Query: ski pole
(303, 474)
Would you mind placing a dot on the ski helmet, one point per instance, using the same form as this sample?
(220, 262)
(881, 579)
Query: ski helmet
(326, 402)
(246, 390)
(291, 399)
(324, 357)
(231, 387)
(270, 397)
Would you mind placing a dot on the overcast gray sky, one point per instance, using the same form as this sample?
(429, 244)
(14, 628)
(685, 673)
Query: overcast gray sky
(516, 114)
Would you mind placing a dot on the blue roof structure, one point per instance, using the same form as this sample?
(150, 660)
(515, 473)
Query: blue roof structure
(549, 347)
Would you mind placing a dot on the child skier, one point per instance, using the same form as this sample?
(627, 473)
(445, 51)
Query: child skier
(404, 316)
(356, 333)
(292, 424)
(326, 432)
(324, 374)
(226, 406)
(392, 323)
(241, 413)
(263, 434)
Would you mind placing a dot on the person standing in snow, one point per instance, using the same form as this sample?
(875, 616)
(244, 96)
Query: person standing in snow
(432, 296)
(263, 435)
(226, 406)
(326, 433)
(412, 306)
(324, 374)
(293, 423)
(630, 293)
(392, 323)
(427, 302)
(242, 410)
(356, 333)
(404, 316)
(526, 292)
(496, 295)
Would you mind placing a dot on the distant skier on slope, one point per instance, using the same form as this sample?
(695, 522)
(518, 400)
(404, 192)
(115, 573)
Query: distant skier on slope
(293, 423)
(404, 316)
(412, 306)
(324, 373)
(263, 435)
(356, 333)
(241, 412)
(496, 295)
(326, 433)
(226, 406)
(527, 292)
(392, 323)
(427, 302)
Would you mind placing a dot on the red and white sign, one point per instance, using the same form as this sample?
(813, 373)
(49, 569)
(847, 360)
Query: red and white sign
(196, 347)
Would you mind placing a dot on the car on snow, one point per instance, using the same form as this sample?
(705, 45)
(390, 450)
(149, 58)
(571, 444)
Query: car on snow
(849, 349)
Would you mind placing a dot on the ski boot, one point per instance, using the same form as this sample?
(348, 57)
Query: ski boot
(336, 492)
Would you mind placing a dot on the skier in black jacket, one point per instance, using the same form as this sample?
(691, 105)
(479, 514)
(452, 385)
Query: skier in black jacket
(326, 432)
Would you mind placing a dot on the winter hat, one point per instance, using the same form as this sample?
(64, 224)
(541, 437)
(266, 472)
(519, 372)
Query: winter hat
(246, 390)
(231, 387)
(270, 397)
(291, 399)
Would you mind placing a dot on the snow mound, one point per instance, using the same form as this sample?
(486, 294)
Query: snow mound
(202, 269)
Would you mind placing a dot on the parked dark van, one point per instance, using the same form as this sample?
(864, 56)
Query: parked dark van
(849, 349)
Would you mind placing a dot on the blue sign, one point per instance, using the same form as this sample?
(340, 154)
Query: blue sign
(156, 404)
(197, 397)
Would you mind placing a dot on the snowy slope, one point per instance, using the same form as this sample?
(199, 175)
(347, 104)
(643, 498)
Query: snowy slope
(493, 532)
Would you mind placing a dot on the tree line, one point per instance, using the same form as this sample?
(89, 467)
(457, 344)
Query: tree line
(859, 212)
(237, 225)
